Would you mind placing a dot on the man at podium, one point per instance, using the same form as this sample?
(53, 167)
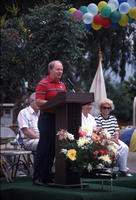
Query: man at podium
(47, 89)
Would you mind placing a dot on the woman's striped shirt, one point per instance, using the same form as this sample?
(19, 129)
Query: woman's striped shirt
(110, 124)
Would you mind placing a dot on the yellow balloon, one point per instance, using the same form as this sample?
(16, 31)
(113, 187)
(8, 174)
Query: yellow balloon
(101, 4)
(124, 20)
(132, 13)
(96, 27)
(72, 10)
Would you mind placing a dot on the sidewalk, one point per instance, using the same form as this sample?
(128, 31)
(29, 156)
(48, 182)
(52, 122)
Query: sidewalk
(132, 162)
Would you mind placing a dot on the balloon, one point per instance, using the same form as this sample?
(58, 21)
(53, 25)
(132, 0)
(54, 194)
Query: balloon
(105, 11)
(72, 10)
(106, 23)
(67, 12)
(96, 27)
(101, 4)
(87, 18)
(83, 9)
(97, 19)
(78, 15)
(92, 8)
(132, 13)
(114, 24)
(124, 20)
(124, 8)
(131, 3)
(115, 16)
(130, 20)
(121, 1)
(113, 4)
(88, 26)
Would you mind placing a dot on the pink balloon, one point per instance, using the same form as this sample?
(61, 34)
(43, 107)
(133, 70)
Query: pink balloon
(78, 15)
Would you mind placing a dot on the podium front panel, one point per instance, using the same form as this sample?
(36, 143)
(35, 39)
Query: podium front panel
(68, 117)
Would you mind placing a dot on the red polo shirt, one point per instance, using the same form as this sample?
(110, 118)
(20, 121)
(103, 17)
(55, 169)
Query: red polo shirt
(48, 88)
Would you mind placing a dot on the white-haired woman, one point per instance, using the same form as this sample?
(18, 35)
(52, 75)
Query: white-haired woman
(109, 122)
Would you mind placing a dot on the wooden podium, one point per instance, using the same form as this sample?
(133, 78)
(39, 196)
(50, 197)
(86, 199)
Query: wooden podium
(68, 116)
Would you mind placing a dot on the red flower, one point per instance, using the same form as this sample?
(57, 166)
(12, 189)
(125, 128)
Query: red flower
(95, 154)
(103, 151)
(10, 33)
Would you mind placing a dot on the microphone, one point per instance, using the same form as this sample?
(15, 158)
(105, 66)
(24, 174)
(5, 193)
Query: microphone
(71, 84)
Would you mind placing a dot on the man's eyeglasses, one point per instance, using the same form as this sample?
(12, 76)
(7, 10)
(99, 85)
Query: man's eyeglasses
(108, 108)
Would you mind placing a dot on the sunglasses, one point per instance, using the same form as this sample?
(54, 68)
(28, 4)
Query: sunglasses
(108, 108)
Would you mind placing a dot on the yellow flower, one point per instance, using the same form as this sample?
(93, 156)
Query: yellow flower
(111, 148)
(25, 30)
(30, 35)
(105, 158)
(13, 59)
(107, 134)
(82, 141)
(85, 128)
(71, 154)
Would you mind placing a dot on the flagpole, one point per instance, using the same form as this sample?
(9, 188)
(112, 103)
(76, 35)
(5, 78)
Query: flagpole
(99, 55)
(98, 86)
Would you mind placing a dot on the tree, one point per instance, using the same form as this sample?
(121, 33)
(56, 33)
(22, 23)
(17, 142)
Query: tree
(122, 95)
(48, 31)
(32, 40)
(130, 86)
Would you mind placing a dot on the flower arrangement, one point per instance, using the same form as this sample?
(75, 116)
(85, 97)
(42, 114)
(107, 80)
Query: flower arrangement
(88, 153)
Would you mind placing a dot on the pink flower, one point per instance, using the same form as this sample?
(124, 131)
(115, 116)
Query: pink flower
(62, 134)
(16, 33)
(96, 138)
(81, 133)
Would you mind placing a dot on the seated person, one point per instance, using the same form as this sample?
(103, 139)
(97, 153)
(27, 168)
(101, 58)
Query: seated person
(28, 124)
(87, 119)
(109, 123)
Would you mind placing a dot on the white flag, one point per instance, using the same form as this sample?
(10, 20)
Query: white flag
(98, 88)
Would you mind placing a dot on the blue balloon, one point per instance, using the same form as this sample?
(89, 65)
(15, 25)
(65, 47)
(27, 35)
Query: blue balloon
(92, 8)
(124, 8)
(132, 3)
(114, 24)
(88, 26)
(121, 1)
(87, 18)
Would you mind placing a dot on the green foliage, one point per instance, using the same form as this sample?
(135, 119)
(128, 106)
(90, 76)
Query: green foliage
(30, 42)
(130, 86)
(48, 32)
(122, 95)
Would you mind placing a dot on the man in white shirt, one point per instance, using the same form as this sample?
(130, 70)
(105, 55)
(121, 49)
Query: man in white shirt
(28, 124)
(87, 119)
